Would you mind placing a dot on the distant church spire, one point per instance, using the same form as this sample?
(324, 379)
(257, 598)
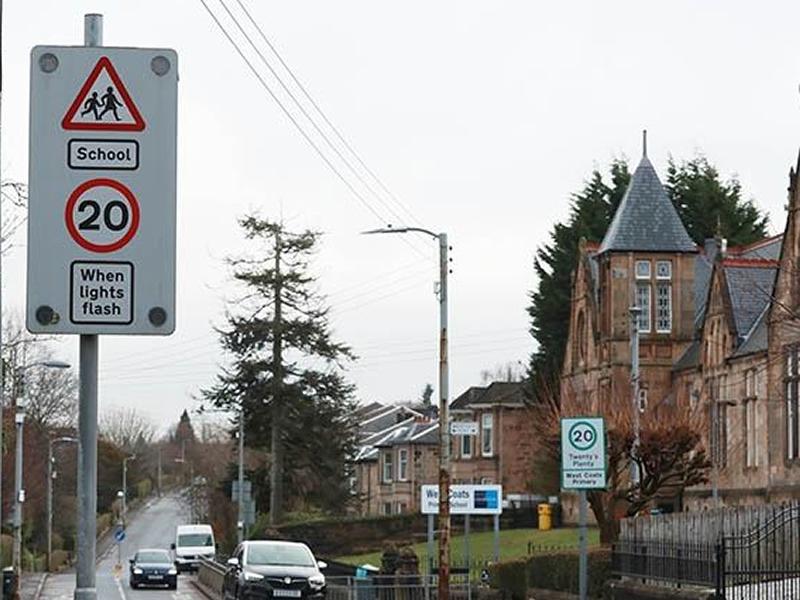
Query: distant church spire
(644, 142)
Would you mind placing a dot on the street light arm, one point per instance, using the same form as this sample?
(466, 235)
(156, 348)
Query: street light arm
(402, 230)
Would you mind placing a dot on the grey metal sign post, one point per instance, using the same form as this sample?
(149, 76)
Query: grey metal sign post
(101, 218)
(583, 466)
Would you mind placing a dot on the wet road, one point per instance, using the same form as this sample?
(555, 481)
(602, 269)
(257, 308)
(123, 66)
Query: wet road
(153, 527)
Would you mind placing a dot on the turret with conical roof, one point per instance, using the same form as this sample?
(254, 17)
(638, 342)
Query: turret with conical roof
(646, 220)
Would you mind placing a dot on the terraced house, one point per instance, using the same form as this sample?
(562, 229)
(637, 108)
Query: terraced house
(719, 333)
(400, 449)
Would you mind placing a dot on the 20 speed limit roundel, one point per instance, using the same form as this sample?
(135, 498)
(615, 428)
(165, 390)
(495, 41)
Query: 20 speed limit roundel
(102, 215)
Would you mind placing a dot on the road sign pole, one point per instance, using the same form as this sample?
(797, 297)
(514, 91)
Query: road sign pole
(87, 468)
(496, 538)
(85, 581)
(583, 562)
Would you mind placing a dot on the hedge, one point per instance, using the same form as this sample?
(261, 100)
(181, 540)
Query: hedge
(557, 571)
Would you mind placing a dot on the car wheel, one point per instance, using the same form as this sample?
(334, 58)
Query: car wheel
(173, 586)
(134, 585)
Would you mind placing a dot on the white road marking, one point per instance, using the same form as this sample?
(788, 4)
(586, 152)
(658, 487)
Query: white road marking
(121, 589)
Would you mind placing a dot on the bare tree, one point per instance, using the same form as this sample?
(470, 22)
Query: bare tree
(126, 428)
(671, 456)
(14, 196)
(49, 395)
(508, 372)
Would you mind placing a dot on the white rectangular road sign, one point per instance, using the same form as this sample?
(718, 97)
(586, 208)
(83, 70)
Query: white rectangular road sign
(583, 453)
(463, 428)
(101, 218)
(465, 499)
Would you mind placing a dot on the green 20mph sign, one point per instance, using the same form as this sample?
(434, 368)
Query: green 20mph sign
(583, 453)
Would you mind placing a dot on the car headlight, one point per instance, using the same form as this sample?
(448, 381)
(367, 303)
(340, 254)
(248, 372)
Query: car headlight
(248, 576)
(172, 571)
(137, 571)
(316, 581)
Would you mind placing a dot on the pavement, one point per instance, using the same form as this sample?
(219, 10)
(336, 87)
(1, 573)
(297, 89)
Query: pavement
(153, 527)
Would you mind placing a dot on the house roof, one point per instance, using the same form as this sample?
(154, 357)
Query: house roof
(768, 248)
(505, 393)
(750, 284)
(646, 220)
(466, 398)
(690, 358)
(757, 337)
(418, 431)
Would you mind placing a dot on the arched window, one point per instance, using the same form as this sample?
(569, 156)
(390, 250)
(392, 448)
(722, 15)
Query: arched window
(581, 336)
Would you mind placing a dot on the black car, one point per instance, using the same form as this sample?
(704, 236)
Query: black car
(263, 570)
(153, 567)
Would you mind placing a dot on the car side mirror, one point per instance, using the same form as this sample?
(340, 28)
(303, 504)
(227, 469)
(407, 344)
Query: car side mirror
(233, 561)
(216, 546)
(172, 546)
(322, 565)
(132, 561)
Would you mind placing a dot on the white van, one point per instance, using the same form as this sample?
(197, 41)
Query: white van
(193, 542)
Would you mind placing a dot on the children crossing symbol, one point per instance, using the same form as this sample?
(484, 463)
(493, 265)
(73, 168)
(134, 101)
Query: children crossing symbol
(103, 103)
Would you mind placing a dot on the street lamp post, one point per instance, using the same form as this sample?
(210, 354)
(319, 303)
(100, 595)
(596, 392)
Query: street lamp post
(240, 523)
(51, 474)
(19, 491)
(444, 412)
(635, 312)
(125, 486)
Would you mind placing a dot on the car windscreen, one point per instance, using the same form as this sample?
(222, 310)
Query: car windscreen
(156, 557)
(195, 539)
(280, 555)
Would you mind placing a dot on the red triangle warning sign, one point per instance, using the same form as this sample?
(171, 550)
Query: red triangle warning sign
(103, 103)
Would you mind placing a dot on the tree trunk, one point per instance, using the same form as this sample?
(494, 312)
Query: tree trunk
(276, 472)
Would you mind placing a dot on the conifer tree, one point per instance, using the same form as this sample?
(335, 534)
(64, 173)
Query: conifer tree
(286, 371)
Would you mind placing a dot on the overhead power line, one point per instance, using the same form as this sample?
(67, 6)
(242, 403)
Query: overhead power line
(319, 110)
(296, 123)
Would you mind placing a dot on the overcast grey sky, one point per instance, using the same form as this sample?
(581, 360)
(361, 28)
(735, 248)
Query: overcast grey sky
(482, 117)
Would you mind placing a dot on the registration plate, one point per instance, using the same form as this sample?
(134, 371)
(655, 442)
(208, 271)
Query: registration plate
(155, 577)
(286, 593)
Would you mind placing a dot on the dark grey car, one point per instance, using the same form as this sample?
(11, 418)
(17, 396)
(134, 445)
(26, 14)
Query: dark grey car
(263, 570)
(153, 567)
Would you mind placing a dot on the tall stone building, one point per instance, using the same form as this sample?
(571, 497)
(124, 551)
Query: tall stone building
(719, 334)
(647, 260)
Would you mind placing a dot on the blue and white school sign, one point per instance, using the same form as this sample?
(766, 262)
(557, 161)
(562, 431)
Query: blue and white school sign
(583, 453)
(465, 499)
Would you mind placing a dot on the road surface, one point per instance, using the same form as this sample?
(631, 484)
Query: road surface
(153, 527)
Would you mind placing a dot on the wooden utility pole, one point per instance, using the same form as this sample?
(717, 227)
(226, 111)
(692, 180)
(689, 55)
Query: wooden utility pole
(276, 472)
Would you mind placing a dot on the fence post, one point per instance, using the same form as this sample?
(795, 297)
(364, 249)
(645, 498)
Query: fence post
(721, 570)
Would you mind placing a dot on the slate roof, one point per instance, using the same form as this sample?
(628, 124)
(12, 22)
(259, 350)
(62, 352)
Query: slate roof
(506, 393)
(750, 288)
(466, 398)
(768, 249)
(646, 220)
(418, 432)
(703, 266)
(690, 358)
(756, 340)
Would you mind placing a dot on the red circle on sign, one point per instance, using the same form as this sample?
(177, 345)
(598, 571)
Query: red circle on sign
(102, 182)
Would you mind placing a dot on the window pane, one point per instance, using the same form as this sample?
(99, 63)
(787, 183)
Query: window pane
(643, 302)
(486, 435)
(466, 445)
(663, 269)
(663, 308)
(642, 269)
